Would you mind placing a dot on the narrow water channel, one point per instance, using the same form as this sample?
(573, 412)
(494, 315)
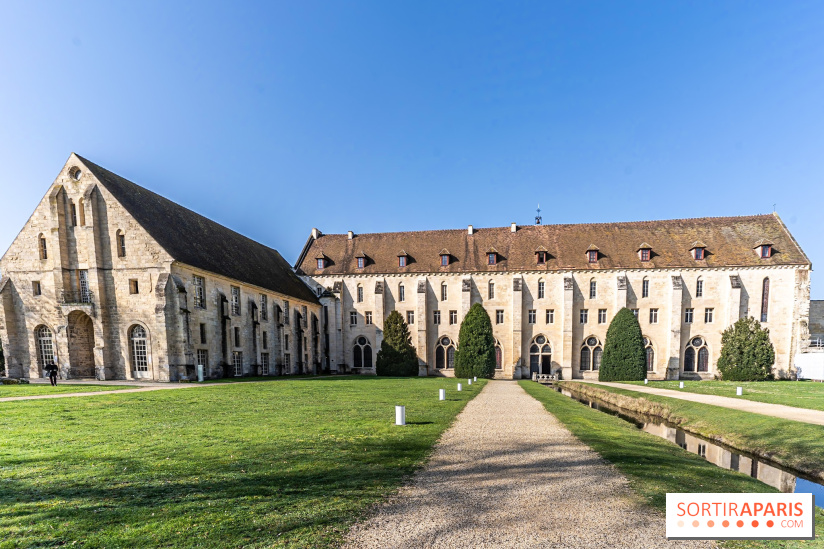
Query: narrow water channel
(781, 478)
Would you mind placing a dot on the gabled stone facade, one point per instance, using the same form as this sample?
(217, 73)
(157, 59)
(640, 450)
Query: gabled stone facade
(95, 282)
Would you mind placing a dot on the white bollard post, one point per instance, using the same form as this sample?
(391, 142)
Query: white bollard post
(400, 415)
(646, 381)
(681, 385)
(475, 378)
(739, 391)
(441, 394)
(459, 387)
(469, 382)
(200, 373)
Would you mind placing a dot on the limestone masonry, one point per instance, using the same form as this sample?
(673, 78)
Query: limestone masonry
(113, 281)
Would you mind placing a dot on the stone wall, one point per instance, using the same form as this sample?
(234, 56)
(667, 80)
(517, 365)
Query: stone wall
(729, 294)
(817, 318)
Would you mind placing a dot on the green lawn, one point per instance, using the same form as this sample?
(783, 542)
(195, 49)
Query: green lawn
(246, 465)
(801, 394)
(654, 466)
(32, 389)
(790, 443)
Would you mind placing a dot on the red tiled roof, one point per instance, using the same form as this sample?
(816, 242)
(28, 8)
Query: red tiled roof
(728, 240)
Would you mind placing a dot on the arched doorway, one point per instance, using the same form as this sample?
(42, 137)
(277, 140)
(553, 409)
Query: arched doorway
(139, 353)
(540, 356)
(81, 345)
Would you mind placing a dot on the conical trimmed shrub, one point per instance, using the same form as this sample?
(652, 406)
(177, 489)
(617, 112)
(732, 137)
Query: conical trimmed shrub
(396, 357)
(624, 358)
(476, 345)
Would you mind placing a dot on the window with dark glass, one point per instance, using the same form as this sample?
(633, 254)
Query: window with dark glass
(121, 244)
(699, 288)
(592, 255)
(443, 291)
(766, 251)
(237, 336)
(491, 290)
(645, 253)
(353, 318)
(492, 258)
(541, 289)
(453, 317)
(368, 317)
(541, 258)
(202, 334)
(550, 316)
(653, 316)
(602, 316)
(35, 287)
(688, 315)
(708, 314)
(401, 293)
(645, 288)
(444, 260)
(401, 261)
(584, 314)
(531, 316)
(765, 299)
(699, 253)
(436, 317)
(499, 316)
(593, 289)
(410, 317)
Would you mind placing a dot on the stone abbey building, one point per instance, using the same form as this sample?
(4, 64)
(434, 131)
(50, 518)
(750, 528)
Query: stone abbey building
(110, 280)
(113, 281)
(552, 290)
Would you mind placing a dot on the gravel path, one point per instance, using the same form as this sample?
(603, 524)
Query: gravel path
(508, 474)
(816, 417)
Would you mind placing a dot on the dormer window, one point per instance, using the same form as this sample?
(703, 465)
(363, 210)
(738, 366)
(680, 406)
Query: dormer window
(644, 251)
(699, 250)
(541, 258)
(402, 258)
(492, 256)
(361, 261)
(592, 253)
(541, 255)
(321, 263)
(444, 257)
(764, 248)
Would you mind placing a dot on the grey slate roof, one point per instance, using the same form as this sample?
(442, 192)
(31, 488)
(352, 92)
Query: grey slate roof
(200, 242)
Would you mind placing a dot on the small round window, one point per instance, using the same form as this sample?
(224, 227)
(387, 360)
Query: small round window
(697, 342)
(76, 174)
(445, 341)
(592, 341)
(540, 340)
(361, 340)
(646, 342)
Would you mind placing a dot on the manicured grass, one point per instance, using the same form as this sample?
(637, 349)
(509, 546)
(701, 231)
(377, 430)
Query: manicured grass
(801, 394)
(653, 466)
(246, 465)
(32, 389)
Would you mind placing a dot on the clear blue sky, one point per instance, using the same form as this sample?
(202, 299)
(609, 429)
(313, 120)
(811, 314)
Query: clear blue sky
(385, 116)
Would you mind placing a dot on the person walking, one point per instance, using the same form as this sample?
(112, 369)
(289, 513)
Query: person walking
(51, 370)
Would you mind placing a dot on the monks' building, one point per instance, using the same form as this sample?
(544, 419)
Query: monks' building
(110, 280)
(552, 290)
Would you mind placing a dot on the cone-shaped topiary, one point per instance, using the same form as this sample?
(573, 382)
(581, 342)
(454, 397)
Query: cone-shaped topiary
(397, 357)
(624, 358)
(476, 345)
(746, 352)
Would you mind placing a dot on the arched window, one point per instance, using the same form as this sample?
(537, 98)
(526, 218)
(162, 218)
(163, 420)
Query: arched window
(360, 293)
(82, 213)
(689, 360)
(45, 345)
(645, 287)
(443, 291)
(541, 288)
(499, 356)
(491, 290)
(139, 348)
(591, 352)
(445, 353)
(121, 244)
(401, 292)
(73, 212)
(362, 353)
(765, 299)
(540, 355)
(593, 289)
(43, 247)
(697, 346)
(650, 354)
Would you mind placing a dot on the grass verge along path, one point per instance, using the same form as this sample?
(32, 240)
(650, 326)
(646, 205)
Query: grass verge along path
(801, 394)
(789, 443)
(247, 465)
(32, 389)
(652, 465)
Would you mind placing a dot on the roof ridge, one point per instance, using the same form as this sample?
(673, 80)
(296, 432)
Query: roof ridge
(508, 227)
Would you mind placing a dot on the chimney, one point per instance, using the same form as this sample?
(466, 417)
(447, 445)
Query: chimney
(315, 233)
(470, 230)
(350, 235)
(514, 228)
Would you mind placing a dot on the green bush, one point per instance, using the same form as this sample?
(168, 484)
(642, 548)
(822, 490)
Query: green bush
(475, 356)
(396, 357)
(624, 358)
(746, 352)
